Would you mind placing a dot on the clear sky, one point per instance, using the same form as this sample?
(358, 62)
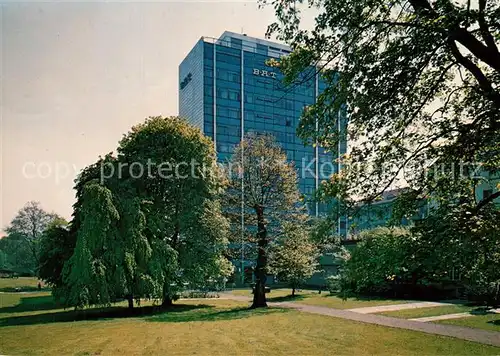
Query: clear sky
(76, 76)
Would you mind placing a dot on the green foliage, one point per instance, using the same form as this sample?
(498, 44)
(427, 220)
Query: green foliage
(182, 210)
(417, 80)
(460, 236)
(4, 261)
(294, 257)
(454, 245)
(378, 261)
(88, 275)
(18, 257)
(339, 284)
(26, 230)
(263, 189)
(56, 247)
(147, 232)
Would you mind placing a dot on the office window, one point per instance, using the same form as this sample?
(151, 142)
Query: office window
(234, 95)
(209, 72)
(227, 58)
(222, 111)
(249, 115)
(208, 90)
(236, 43)
(222, 74)
(249, 98)
(234, 77)
(288, 122)
(235, 114)
(222, 93)
(222, 147)
(261, 49)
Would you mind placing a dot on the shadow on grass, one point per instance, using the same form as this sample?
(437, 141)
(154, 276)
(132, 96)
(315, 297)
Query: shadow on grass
(98, 314)
(495, 322)
(174, 314)
(32, 303)
(480, 311)
(23, 289)
(286, 298)
(214, 314)
(369, 299)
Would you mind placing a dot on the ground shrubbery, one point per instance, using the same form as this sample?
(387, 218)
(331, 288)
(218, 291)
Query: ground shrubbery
(382, 263)
(436, 259)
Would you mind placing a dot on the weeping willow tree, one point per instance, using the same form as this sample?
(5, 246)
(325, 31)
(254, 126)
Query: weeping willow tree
(147, 235)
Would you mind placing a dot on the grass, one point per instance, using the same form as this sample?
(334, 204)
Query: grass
(34, 324)
(429, 311)
(29, 327)
(324, 299)
(487, 322)
(25, 284)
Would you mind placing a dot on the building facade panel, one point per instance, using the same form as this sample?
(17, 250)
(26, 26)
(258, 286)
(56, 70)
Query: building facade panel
(191, 85)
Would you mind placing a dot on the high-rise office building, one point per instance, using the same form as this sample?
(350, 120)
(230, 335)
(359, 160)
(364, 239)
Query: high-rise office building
(227, 89)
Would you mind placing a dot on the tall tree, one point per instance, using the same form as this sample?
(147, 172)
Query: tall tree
(263, 187)
(29, 224)
(418, 81)
(17, 255)
(147, 221)
(56, 247)
(181, 182)
(294, 257)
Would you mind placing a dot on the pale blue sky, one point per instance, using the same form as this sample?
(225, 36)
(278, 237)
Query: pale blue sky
(76, 76)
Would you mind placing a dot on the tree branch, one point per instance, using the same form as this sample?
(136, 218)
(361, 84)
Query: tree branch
(483, 82)
(483, 26)
(487, 200)
(477, 48)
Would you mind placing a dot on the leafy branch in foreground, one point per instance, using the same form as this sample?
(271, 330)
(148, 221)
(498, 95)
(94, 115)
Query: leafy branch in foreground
(418, 81)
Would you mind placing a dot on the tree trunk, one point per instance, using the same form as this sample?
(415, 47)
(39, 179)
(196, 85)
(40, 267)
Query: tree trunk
(293, 291)
(167, 302)
(130, 300)
(259, 295)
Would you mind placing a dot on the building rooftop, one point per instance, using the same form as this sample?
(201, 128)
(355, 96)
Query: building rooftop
(250, 44)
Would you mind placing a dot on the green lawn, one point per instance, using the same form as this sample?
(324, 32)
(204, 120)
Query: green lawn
(430, 311)
(486, 322)
(324, 299)
(31, 325)
(23, 283)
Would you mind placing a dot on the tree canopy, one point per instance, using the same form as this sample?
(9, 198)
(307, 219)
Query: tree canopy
(24, 235)
(418, 81)
(147, 221)
(56, 247)
(263, 190)
(294, 256)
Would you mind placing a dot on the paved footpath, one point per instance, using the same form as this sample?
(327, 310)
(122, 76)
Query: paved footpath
(443, 317)
(464, 333)
(394, 307)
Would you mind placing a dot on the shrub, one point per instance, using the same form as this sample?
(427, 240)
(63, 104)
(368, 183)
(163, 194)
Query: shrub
(484, 293)
(340, 285)
(333, 283)
(377, 263)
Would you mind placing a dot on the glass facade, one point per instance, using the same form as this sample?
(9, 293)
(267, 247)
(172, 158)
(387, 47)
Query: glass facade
(227, 90)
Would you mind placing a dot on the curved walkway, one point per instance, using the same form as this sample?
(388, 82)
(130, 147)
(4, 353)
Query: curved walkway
(464, 333)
